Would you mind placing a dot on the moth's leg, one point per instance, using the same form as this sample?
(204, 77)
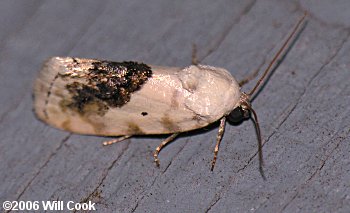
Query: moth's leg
(164, 143)
(194, 55)
(218, 140)
(249, 78)
(110, 142)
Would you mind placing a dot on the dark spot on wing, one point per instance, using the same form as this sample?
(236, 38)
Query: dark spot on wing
(174, 100)
(144, 113)
(84, 100)
(134, 129)
(66, 125)
(106, 84)
(169, 125)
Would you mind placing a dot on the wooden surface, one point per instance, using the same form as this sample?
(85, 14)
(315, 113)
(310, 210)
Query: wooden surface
(304, 109)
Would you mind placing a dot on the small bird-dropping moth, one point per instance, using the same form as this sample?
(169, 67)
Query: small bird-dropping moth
(99, 97)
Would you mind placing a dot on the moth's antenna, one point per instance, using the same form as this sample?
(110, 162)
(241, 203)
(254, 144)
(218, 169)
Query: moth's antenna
(260, 144)
(295, 30)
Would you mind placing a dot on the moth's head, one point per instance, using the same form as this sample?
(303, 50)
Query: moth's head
(238, 114)
(242, 111)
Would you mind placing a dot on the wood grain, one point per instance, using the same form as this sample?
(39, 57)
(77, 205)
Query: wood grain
(303, 109)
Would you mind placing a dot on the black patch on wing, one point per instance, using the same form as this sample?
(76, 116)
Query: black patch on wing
(108, 83)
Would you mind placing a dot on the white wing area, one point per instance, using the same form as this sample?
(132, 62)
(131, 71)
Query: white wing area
(172, 100)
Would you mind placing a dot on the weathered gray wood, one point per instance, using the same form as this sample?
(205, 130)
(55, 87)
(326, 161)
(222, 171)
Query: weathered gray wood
(304, 109)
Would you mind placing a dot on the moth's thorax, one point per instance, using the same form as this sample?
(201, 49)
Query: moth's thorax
(209, 92)
(212, 91)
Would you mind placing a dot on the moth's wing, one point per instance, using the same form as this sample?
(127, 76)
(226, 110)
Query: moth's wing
(68, 96)
(158, 107)
(50, 92)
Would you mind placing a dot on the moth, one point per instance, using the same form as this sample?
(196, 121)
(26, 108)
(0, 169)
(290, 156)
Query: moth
(99, 97)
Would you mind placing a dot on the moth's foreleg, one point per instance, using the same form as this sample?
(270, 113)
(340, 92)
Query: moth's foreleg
(218, 140)
(110, 142)
(164, 143)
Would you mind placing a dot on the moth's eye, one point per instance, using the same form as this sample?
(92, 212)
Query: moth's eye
(238, 114)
